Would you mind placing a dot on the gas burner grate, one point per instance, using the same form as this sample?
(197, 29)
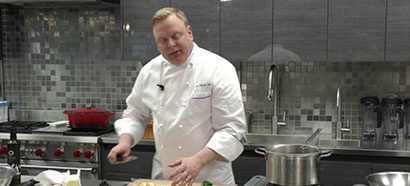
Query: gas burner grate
(22, 126)
(82, 132)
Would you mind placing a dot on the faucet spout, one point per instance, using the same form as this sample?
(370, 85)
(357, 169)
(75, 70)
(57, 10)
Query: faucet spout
(273, 88)
(340, 129)
(272, 84)
(338, 134)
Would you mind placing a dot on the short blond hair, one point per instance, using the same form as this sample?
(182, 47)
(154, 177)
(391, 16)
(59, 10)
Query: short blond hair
(167, 11)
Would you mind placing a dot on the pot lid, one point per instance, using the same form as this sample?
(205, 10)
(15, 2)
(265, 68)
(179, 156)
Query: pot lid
(88, 110)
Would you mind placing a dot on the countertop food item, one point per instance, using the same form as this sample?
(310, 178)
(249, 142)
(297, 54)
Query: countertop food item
(150, 182)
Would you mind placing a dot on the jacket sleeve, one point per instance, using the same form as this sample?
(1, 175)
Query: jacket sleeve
(228, 116)
(135, 116)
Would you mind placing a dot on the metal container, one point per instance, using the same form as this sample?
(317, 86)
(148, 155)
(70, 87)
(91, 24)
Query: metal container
(389, 179)
(292, 164)
(6, 175)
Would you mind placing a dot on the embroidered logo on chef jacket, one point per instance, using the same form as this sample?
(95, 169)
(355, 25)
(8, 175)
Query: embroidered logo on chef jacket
(202, 91)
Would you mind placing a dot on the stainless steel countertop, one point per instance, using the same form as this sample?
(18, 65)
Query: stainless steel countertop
(378, 147)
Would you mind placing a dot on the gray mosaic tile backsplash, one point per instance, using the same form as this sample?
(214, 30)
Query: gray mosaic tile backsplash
(308, 93)
(66, 58)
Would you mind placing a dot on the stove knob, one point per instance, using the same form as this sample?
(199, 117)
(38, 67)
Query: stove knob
(88, 154)
(58, 152)
(3, 150)
(77, 153)
(39, 152)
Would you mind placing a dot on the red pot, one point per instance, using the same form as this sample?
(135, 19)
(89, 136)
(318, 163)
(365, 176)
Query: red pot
(89, 118)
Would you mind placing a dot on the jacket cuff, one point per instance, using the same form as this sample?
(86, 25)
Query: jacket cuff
(225, 145)
(123, 126)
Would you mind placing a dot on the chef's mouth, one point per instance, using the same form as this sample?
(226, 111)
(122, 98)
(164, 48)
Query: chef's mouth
(175, 53)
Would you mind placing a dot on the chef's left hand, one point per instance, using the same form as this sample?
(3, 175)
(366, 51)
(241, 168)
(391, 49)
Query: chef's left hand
(185, 170)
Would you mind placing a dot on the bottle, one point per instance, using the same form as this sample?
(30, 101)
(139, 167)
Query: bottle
(5, 111)
(13, 156)
(2, 105)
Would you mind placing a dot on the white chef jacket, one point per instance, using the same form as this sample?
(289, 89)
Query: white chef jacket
(200, 106)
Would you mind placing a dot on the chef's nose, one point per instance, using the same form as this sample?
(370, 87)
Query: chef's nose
(171, 43)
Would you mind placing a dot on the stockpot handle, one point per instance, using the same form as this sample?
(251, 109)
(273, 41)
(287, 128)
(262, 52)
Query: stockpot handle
(261, 151)
(325, 153)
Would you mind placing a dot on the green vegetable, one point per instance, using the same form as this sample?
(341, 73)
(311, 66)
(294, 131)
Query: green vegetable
(206, 183)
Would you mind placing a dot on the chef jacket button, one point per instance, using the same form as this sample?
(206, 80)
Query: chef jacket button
(161, 125)
(187, 83)
(179, 147)
(162, 146)
(180, 126)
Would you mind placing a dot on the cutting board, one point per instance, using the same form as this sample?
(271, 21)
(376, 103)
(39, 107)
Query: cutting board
(168, 182)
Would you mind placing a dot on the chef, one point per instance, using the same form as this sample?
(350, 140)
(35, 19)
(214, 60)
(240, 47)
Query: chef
(194, 98)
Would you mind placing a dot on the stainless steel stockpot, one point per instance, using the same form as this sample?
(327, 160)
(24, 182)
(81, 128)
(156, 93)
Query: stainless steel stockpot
(292, 164)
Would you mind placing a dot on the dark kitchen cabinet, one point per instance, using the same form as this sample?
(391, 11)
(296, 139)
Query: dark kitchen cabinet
(139, 43)
(300, 27)
(343, 173)
(342, 170)
(139, 168)
(246, 29)
(205, 21)
(397, 31)
(356, 30)
(248, 165)
(390, 167)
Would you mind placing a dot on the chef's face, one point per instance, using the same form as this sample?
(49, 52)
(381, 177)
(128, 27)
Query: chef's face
(174, 39)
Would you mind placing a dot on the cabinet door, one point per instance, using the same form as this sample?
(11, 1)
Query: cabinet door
(343, 173)
(245, 168)
(300, 27)
(397, 33)
(246, 29)
(139, 168)
(139, 43)
(356, 30)
(204, 18)
(390, 167)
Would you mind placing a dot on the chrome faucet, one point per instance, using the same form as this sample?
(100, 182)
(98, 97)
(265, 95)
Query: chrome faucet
(249, 121)
(273, 88)
(339, 125)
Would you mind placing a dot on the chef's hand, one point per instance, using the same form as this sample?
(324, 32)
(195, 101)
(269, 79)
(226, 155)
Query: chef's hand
(185, 171)
(121, 151)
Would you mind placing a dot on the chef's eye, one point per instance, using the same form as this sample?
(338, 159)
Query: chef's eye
(162, 41)
(177, 36)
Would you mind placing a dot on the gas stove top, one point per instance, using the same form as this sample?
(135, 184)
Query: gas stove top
(29, 127)
(22, 126)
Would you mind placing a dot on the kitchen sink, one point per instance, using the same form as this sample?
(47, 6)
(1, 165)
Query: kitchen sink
(339, 143)
(271, 139)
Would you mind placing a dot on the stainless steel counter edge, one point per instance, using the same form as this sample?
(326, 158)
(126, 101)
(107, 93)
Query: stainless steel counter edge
(113, 139)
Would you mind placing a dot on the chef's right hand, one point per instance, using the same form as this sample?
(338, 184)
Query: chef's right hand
(122, 150)
(119, 153)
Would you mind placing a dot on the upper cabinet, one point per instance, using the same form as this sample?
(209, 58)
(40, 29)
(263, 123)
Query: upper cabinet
(300, 26)
(356, 30)
(398, 31)
(280, 30)
(139, 43)
(246, 29)
(204, 18)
